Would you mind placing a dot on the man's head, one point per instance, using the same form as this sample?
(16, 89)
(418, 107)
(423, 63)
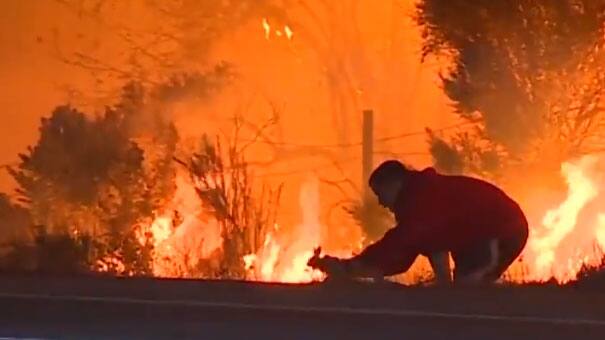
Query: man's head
(387, 181)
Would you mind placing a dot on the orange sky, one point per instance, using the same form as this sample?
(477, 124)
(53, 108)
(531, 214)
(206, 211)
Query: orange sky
(383, 64)
(33, 81)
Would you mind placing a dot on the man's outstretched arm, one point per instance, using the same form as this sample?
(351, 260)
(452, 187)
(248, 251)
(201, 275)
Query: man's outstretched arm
(388, 256)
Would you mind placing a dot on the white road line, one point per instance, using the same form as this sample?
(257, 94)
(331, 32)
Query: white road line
(304, 309)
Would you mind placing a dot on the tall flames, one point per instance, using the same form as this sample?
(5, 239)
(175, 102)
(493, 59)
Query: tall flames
(283, 257)
(181, 233)
(570, 235)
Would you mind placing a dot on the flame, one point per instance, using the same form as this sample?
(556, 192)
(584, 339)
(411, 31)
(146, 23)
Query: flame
(111, 263)
(181, 233)
(287, 31)
(284, 256)
(281, 262)
(561, 245)
(249, 261)
(601, 231)
(266, 28)
(284, 259)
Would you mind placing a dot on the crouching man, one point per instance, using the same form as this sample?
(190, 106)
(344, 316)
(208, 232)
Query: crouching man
(482, 228)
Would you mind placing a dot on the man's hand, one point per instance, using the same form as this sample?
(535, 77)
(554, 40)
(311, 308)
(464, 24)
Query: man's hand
(330, 265)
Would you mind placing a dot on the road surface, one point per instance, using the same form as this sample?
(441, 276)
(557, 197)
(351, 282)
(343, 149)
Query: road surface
(110, 308)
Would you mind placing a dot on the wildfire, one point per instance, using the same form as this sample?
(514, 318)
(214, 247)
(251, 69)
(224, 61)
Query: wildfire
(558, 247)
(566, 239)
(186, 237)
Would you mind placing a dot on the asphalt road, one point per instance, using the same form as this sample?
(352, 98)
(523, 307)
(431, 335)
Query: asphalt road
(93, 308)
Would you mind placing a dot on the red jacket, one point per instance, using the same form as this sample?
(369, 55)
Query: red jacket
(437, 212)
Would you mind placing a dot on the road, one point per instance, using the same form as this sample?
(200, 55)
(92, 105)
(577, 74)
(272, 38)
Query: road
(110, 308)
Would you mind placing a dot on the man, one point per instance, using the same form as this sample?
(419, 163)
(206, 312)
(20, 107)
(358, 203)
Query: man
(482, 228)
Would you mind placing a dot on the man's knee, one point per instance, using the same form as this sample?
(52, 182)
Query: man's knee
(477, 263)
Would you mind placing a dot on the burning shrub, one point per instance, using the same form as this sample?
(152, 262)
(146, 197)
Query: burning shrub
(49, 254)
(370, 214)
(225, 188)
(32, 249)
(95, 176)
(466, 153)
(62, 253)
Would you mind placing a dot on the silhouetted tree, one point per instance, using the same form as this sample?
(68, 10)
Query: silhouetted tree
(528, 73)
(100, 176)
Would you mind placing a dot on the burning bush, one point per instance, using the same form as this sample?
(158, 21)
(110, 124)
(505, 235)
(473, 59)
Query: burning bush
(226, 190)
(88, 177)
(367, 212)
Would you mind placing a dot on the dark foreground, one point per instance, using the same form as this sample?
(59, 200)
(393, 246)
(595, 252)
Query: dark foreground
(106, 308)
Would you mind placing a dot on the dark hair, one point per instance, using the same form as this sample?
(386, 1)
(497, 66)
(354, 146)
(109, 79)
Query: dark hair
(388, 170)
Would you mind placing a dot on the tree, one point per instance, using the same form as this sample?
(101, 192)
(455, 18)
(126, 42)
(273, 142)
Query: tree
(527, 74)
(96, 176)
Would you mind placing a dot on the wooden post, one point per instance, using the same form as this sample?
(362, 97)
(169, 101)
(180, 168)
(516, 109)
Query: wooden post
(367, 163)
(367, 152)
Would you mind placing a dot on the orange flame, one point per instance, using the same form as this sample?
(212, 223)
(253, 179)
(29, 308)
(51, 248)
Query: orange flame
(565, 241)
(284, 259)
(181, 234)
(287, 31)
(283, 256)
(266, 28)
